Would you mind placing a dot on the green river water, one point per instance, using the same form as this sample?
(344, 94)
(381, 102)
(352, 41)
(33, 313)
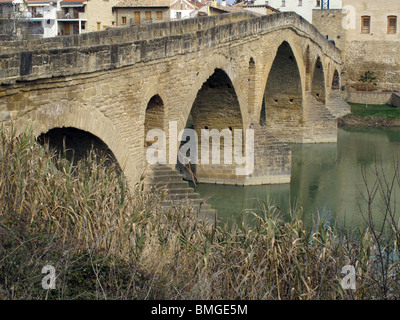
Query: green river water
(326, 180)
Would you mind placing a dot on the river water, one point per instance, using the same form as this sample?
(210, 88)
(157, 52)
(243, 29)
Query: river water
(326, 181)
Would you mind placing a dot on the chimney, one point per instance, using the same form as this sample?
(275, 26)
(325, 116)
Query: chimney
(223, 3)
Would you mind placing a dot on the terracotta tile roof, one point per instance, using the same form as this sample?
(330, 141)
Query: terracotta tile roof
(143, 3)
(73, 1)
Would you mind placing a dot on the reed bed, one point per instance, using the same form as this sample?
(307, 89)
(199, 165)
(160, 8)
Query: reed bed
(108, 241)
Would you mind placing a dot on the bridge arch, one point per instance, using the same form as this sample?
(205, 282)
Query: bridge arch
(154, 116)
(335, 82)
(216, 107)
(318, 81)
(216, 104)
(75, 144)
(282, 104)
(217, 62)
(90, 120)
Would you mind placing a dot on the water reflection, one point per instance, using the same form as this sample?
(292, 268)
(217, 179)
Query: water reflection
(326, 179)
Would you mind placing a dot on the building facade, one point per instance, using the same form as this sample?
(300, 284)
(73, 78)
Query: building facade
(135, 12)
(367, 32)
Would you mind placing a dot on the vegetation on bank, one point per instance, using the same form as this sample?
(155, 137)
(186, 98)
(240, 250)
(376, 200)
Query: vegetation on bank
(371, 115)
(106, 241)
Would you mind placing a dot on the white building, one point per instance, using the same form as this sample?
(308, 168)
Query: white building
(43, 18)
(302, 7)
(182, 9)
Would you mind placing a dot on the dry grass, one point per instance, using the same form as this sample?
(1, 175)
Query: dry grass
(107, 241)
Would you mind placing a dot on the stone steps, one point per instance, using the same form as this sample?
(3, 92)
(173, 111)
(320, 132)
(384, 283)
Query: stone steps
(337, 105)
(316, 111)
(178, 190)
(319, 123)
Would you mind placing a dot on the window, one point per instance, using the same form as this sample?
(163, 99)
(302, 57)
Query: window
(283, 3)
(159, 15)
(123, 20)
(392, 25)
(267, 3)
(300, 3)
(98, 26)
(365, 24)
(147, 14)
(178, 15)
(318, 3)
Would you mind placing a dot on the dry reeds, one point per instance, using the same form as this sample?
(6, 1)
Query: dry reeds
(108, 241)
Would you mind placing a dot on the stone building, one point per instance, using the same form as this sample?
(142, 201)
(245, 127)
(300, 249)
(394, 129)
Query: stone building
(367, 32)
(134, 12)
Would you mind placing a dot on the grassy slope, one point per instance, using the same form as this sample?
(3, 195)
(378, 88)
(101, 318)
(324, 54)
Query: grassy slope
(371, 115)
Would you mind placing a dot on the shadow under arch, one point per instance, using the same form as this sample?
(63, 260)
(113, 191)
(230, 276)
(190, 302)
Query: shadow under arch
(318, 82)
(154, 116)
(217, 62)
(282, 107)
(89, 120)
(75, 145)
(216, 107)
(335, 83)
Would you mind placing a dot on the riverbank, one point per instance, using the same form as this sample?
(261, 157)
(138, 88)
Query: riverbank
(371, 115)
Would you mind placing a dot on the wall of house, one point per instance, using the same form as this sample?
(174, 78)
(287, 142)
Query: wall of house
(99, 11)
(129, 14)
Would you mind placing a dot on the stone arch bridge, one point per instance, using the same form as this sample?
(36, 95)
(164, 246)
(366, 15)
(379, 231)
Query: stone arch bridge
(275, 74)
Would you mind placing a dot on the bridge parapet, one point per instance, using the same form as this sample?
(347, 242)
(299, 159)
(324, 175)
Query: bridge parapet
(105, 50)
